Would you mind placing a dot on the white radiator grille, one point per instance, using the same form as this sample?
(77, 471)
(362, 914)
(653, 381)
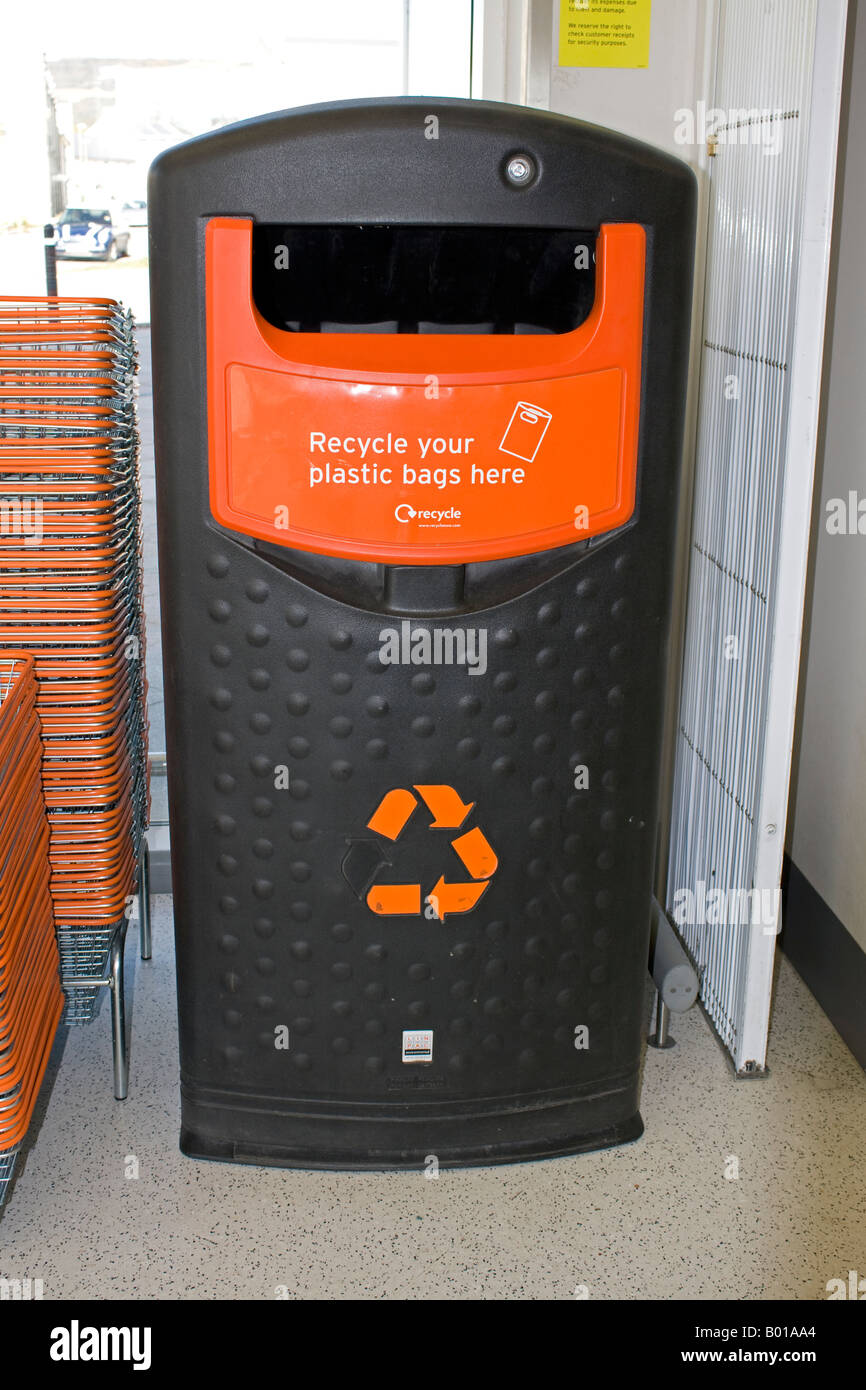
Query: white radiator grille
(763, 84)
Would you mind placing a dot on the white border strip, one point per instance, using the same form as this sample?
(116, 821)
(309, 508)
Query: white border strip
(804, 401)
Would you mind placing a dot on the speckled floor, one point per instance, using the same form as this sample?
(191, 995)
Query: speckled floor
(655, 1220)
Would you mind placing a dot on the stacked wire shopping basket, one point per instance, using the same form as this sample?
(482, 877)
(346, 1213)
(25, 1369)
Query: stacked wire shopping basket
(70, 593)
(30, 996)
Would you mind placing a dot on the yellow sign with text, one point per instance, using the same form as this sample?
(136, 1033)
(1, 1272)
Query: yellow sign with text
(604, 33)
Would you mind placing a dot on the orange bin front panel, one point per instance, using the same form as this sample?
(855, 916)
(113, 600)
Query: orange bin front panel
(439, 449)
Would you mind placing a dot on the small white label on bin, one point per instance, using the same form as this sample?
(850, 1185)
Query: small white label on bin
(418, 1045)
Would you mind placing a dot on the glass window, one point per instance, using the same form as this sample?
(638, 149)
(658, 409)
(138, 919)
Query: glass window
(88, 98)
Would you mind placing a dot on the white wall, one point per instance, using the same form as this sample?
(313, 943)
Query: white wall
(515, 59)
(827, 820)
(642, 102)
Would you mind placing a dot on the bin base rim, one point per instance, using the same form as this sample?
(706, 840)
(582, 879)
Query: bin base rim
(198, 1146)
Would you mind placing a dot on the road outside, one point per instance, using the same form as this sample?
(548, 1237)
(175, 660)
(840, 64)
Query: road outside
(22, 271)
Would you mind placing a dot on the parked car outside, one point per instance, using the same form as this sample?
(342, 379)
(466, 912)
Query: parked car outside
(93, 234)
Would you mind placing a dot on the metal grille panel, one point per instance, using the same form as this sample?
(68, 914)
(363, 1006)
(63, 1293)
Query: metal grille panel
(763, 85)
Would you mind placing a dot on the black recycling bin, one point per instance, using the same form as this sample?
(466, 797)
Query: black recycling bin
(419, 379)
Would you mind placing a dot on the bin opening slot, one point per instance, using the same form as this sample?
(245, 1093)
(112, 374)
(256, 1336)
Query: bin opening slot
(374, 278)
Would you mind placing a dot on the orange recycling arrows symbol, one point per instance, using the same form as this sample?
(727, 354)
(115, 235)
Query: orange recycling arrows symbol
(392, 813)
(448, 811)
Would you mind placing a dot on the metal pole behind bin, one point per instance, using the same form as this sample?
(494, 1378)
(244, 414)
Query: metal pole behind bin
(50, 242)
